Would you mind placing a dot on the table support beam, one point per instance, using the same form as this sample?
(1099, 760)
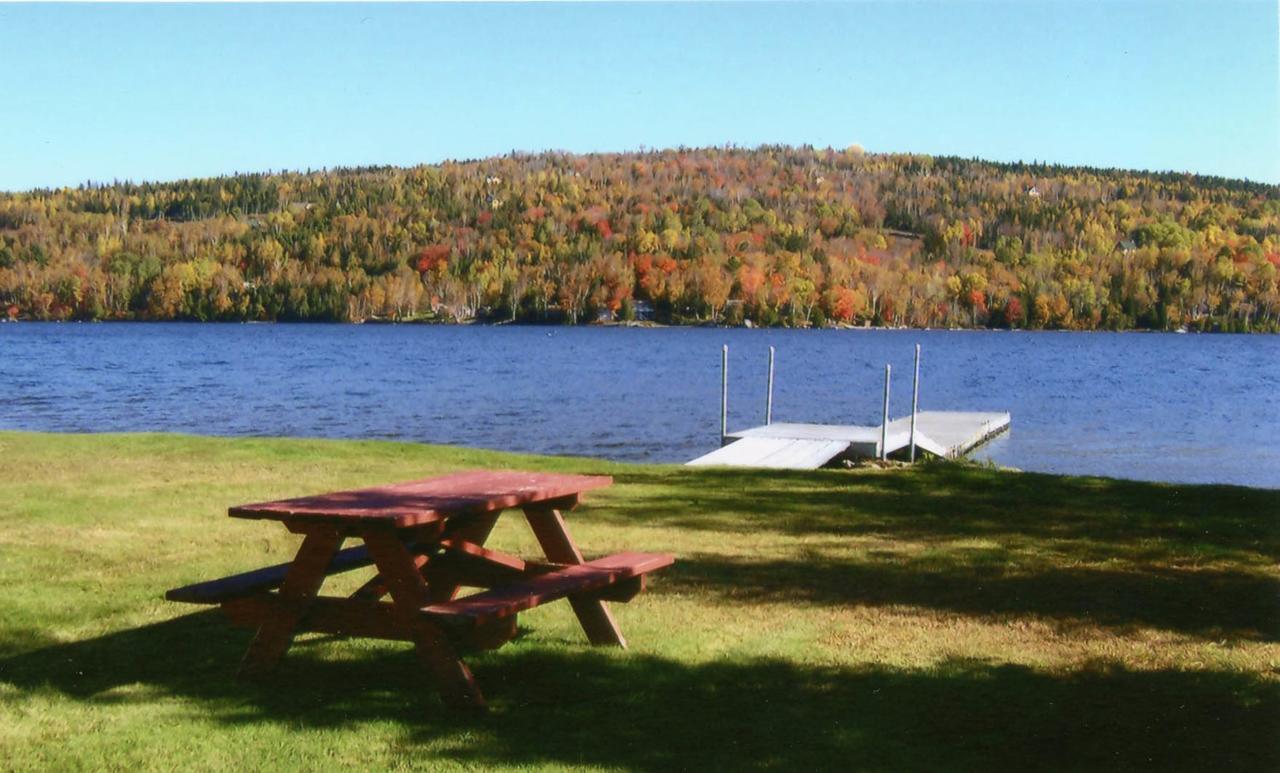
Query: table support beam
(440, 582)
(552, 534)
(474, 529)
(409, 595)
(301, 583)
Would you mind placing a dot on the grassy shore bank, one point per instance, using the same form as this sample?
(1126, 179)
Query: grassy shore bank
(942, 617)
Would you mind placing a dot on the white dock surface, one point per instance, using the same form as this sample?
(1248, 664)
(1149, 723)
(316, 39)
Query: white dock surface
(774, 453)
(954, 432)
(948, 434)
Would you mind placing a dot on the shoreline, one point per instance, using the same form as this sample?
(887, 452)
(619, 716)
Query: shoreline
(867, 467)
(641, 325)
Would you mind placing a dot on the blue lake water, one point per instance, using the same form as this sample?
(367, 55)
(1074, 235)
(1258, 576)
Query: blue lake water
(1187, 408)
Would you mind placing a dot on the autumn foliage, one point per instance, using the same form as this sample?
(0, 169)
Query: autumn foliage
(774, 235)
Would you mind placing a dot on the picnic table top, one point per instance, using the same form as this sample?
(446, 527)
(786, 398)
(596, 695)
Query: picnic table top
(418, 502)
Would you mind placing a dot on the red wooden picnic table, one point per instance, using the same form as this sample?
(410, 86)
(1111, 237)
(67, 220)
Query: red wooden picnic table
(425, 539)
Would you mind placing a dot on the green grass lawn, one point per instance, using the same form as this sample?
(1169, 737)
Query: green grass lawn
(944, 617)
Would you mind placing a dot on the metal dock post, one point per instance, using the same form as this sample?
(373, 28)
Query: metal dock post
(724, 392)
(884, 423)
(768, 400)
(915, 403)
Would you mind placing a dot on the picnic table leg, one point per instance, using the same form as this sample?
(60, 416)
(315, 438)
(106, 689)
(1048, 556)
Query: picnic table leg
(409, 595)
(552, 534)
(305, 576)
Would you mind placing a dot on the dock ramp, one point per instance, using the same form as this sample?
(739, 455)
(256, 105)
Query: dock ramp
(949, 434)
(778, 453)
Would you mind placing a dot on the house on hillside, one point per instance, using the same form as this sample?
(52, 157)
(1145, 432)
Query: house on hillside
(1126, 246)
(641, 311)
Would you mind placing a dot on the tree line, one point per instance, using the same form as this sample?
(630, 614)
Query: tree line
(770, 236)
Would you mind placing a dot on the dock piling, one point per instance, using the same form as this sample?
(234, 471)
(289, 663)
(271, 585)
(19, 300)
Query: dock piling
(884, 423)
(724, 392)
(768, 401)
(915, 403)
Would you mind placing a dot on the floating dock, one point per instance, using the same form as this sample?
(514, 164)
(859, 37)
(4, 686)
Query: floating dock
(787, 446)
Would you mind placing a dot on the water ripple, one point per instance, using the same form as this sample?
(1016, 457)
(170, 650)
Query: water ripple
(1162, 407)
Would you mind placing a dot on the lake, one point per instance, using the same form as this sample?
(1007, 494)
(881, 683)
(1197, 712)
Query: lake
(1185, 408)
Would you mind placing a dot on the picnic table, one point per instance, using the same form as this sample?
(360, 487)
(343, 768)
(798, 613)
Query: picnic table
(425, 540)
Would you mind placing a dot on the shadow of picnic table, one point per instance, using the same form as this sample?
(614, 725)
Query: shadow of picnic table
(1119, 554)
(1211, 605)
(567, 705)
(1085, 518)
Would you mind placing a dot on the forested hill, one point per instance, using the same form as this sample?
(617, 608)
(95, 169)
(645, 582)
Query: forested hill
(774, 235)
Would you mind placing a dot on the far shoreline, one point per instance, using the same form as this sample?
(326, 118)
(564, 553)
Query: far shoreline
(646, 325)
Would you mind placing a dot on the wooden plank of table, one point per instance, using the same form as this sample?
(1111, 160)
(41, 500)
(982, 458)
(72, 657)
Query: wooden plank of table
(301, 582)
(576, 580)
(429, 500)
(368, 619)
(342, 617)
(267, 578)
(552, 533)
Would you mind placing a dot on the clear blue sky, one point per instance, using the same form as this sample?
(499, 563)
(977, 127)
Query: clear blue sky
(102, 92)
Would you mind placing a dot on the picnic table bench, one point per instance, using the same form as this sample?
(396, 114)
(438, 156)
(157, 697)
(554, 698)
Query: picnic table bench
(425, 540)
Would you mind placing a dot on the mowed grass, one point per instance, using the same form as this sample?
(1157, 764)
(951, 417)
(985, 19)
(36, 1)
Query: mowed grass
(939, 618)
